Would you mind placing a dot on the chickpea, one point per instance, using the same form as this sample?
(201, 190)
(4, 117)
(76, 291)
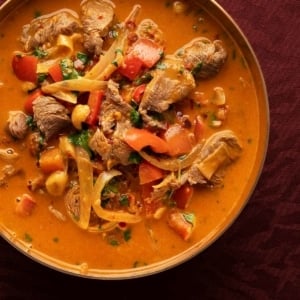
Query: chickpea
(79, 115)
(179, 7)
(56, 183)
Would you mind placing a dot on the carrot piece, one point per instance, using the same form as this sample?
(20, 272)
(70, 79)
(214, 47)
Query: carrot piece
(56, 72)
(52, 160)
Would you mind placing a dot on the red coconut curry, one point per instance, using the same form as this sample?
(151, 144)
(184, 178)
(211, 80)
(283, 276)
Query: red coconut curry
(128, 130)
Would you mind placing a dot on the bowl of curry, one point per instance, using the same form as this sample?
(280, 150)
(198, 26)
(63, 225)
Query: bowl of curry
(132, 133)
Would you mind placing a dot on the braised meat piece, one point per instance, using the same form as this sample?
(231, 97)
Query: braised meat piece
(114, 109)
(203, 57)
(171, 83)
(114, 119)
(51, 117)
(17, 124)
(96, 17)
(147, 28)
(45, 29)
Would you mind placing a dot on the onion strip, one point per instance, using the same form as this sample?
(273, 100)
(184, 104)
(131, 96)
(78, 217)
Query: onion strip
(80, 85)
(85, 173)
(173, 164)
(113, 216)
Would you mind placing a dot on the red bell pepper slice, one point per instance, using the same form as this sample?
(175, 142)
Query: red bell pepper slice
(149, 173)
(56, 72)
(138, 138)
(94, 102)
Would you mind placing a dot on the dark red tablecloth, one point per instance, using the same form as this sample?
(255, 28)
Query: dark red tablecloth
(259, 256)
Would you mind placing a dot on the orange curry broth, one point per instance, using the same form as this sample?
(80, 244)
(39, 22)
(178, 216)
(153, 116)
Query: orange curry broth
(67, 242)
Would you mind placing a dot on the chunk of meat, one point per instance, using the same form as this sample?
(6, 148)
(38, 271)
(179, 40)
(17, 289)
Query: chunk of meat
(114, 109)
(45, 29)
(171, 83)
(203, 57)
(51, 117)
(17, 124)
(7, 172)
(219, 150)
(25, 205)
(96, 17)
(147, 28)
(9, 155)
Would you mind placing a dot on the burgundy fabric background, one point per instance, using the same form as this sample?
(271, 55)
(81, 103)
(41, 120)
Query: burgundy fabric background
(259, 256)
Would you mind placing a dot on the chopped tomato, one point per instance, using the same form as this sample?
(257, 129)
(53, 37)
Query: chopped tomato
(147, 51)
(56, 72)
(131, 68)
(52, 160)
(198, 128)
(149, 173)
(182, 223)
(25, 205)
(179, 140)
(139, 138)
(138, 93)
(25, 67)
(94, 103)
(183, 195)
(31, 97)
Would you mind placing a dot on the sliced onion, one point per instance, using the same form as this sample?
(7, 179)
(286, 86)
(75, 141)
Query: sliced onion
(112, 216)
(85, 173)
(173, 164)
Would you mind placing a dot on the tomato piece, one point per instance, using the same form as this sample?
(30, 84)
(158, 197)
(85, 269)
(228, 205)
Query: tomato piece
(183, 196)
(139, 138)
(25, 205)
(94, 102)
(138, 93)
(131, 68)
(149, 173)
(28, 107)
(25, 67)
(56, 73)
(147, 51)
(198, 128)
(179, 139)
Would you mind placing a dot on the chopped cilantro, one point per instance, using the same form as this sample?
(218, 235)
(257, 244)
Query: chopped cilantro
(127, 235)
(135, 158)
(27, 238)
(81, 139)
(124, 200)
(135, 119)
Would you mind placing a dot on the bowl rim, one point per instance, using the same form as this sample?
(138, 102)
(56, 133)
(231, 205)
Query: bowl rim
(227, 22)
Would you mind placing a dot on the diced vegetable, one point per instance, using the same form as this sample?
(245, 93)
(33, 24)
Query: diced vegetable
(183, 196)
(25, 67)
(94, 102)
(138, 93)
(25, 205)
(56, 72)
(149, 173)
(182, 223)
(147, 51)
(52, 160)
(31, 97)
(179, 140)
(131, 67)
(141, 138)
